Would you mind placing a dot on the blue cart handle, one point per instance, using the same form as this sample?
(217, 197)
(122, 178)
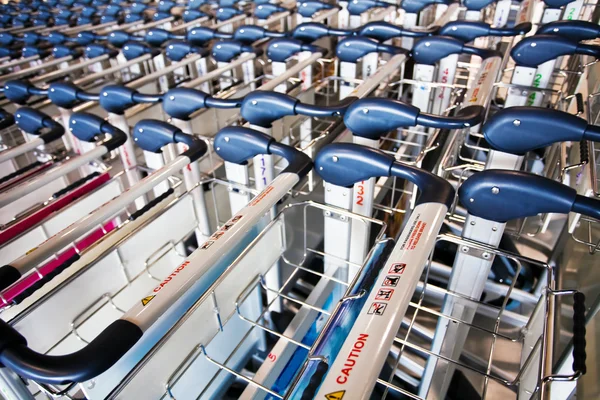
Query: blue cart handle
(120, 38)
(226, 50)
(225, 13)
(201, 35)
(237, 144)
(177, 50)
(308, 32)
(345, 164)
(264, 11)
(132, 50)
(503, 195)
(181, 103)
(571, 29)
(152, 135)
(309, 8)
(262, 108)
(468, 31)
(383, 31)
(538, 49)
(191, 15)
(351, 49)
(518, 130)
(20, 91)
(416, 6)
(88, 127)
(556, 4)
(357, 7)
(249, 34)
(36, 122)
(280, 50)
(156, 37)
(477, 5)
(373, 117)
(430, 50)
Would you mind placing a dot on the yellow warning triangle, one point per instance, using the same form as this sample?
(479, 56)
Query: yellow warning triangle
(339, 395)
(147, 300)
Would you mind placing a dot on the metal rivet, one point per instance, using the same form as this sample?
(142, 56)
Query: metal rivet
(494, 228)
(555, 29)
(227, 139)
(467, 124)
(516, 122)
(52, 90)
(275, 45)
(347, 44)
(464, 249)
(320, 168)
(241, 31)
(495, 190)
(171, 47)
(126, 47)
(365, 110)
(172, 98)
(193, 32)
(427, 44)
(218, 148)
(471, 200)
(302, 29)
(219, 46)
(140, 130)
(254, 102)
(104, 94)
(149, 33)
(454, 28)
(486, 255)
(135, 139)
(472, 222)
(533, 44)
(335, 159)
(73, 122)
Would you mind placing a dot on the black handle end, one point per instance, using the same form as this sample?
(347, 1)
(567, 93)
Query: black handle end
(579, 343)
(8, 276)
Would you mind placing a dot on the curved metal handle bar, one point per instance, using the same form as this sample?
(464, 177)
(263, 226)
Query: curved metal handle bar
(20, 91)
(249, 34)
(502, 195)
(468, 31)
(280, 50)
(373, 117)
(572, 30)
(308, 32)
(432, 49)
(518, 130)
(238, 144)
(383, 31)
(351, 49)
(538, 49)
(152, 135)
(181, 103)
(345, 164)
(262, 108)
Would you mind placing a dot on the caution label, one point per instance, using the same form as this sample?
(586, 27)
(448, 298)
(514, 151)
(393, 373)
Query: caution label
(147, 299)
(339, 395)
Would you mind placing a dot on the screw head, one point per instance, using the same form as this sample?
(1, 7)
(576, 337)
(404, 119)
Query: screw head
(464, 249)
(517, 122)
(335, 159)
(486, 255)
(227, 139)
(495, 190)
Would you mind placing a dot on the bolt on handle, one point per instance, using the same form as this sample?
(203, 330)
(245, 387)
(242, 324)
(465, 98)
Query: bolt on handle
(373, 117)
(351, 49)
(538, 49)
(571, 29)
(468, 31)
(345, 164)
(238, 144)
(308, 32)
(430, 50)
(503, 195)
(383, 31)
(518, 130)
(181, 103)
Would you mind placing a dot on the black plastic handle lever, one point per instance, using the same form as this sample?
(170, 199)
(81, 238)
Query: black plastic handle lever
(308, 32)
(571, 29)
(152, 135)
(351, 49)
(6, 119)
(502, 195)
(181, 103)
(95, 358)
(37, 123)
(345, 164)
(262, 108)
(518, 130)
(538, 49)
(430, 50)
(238, 144)
(20, 91)
(374, 117)
(88, 127)
(383, 31)
(468, 31)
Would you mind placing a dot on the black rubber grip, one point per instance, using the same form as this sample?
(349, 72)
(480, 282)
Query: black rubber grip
(315, 381)
(150, 204)
(584, 152)
(19, 172)
(579, 101)
(47, 278)
(579, 355)
(92, 360)
(75, 184)
(8, 276)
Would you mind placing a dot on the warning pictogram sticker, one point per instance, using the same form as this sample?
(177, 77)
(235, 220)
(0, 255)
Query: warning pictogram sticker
(339, 395)
(147, 299)
(397, 268)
